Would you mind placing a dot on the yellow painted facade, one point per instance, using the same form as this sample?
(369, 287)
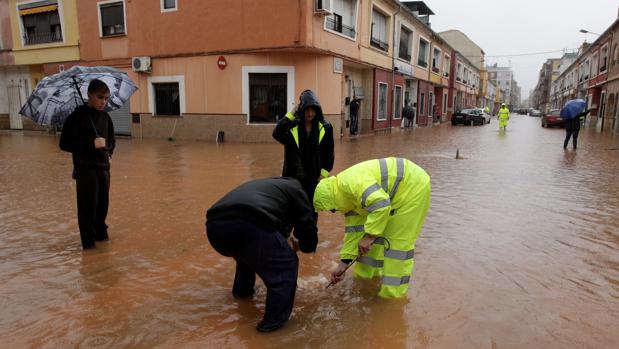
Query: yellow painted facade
(67, 50)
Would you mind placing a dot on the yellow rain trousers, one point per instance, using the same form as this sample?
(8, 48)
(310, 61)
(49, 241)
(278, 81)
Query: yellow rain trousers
(386, 198)
(503, 117)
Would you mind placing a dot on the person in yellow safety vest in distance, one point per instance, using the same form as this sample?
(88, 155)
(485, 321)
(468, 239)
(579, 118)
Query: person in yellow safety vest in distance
(384, 202)
(503, 117)
(487, 110)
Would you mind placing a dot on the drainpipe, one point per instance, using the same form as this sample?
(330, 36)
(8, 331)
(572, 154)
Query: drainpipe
(393, 68)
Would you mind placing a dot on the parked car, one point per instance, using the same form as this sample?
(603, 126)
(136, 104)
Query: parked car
(466, 116)
(553, 118)
(535, 112)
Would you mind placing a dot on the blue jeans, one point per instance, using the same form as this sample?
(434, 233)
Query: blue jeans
(261, 251)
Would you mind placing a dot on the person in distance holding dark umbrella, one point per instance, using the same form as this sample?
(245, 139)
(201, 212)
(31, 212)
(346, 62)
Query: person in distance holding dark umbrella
(88, 134)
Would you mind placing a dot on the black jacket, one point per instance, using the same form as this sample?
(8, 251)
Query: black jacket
(408, 112)
(574, 123)
(78, 137)
(305, 160)
(277, 203)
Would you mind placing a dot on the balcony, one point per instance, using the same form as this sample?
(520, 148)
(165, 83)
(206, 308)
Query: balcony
(404, 56)
(336, 25)
(422, 63)
(42, 38)
(435, 69)
(446, 74)
(379, 44)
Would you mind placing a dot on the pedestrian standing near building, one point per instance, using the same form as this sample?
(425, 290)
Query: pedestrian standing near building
(503, 117)
(572, 128)
(308, 143)
(354, 116)
(408, 113)
(88, 134)
(251, 224)
(384, 203)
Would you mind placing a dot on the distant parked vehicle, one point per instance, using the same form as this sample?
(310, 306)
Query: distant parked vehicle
(466, 116)
(553, 118)
(535, 112)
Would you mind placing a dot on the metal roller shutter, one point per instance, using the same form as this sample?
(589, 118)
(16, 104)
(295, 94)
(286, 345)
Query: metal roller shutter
(122, 120)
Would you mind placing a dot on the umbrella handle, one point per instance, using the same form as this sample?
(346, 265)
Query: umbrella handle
(77, 87)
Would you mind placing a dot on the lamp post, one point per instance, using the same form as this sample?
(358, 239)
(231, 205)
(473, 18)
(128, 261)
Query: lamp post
(584, 31)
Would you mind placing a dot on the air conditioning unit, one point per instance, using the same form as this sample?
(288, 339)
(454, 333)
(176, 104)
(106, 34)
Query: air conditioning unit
(141, 64)
(324, 7)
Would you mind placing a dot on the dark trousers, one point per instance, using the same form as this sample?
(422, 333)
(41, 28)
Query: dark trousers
(354, 124)
(93, 187)
(263, 252)
(571, 133)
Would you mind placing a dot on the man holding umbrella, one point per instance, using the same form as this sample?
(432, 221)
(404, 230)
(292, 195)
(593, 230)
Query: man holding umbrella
(572, 112)
(88, 134)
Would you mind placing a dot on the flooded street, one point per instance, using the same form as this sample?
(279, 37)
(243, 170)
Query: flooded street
(520, 248)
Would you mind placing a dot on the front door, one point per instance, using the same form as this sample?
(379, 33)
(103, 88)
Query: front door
(15, 102)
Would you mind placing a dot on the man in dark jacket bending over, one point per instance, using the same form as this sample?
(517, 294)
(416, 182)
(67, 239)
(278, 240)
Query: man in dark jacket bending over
(251, 224)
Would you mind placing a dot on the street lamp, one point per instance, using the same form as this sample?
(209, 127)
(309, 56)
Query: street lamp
(584, 31)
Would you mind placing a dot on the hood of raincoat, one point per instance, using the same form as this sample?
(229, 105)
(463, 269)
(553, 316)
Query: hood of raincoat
(309, 100)
(324, 195)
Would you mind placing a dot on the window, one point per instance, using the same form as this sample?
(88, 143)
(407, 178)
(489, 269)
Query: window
(167, 98)
(581, 73)
(422, 104)
(168, 5)
(379, 31)
(112, 18)
(587, 66)
(397, 110)
(404, 51)
(594, 65)
(422, 57)
(459, 72)
(604, 59)
(447, 65)
(267, 97)
(445, 103)
(382, 101)
(465, 77)
(436, 60)
(343, 20)
(40, 22)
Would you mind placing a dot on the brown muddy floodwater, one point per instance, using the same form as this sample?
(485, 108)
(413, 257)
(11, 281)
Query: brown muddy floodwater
(520, 248)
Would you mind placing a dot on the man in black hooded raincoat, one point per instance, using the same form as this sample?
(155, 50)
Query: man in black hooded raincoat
(308, 143)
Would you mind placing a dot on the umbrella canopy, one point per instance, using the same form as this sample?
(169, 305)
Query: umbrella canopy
(56, 96)
(572, 108)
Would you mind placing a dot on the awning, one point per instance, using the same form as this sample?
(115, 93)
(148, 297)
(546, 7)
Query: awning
(40, 9)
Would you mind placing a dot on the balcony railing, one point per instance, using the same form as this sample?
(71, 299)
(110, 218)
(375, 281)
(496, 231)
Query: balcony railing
(338, 26)
(42, 38)
(435, 69)
(405, 56)
(379, 44)
(422, 63)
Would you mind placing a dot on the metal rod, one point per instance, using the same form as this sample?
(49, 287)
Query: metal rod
(343, 271)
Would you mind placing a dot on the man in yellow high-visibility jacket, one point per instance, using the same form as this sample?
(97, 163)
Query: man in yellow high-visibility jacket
(503, 117)
(384, 202)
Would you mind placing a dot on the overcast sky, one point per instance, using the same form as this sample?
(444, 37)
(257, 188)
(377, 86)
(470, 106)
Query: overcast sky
(507, 27)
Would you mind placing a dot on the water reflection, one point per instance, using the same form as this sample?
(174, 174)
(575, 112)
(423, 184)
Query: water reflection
(519, 248)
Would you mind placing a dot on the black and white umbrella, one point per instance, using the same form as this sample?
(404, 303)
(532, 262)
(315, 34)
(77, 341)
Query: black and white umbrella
(56, 96)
